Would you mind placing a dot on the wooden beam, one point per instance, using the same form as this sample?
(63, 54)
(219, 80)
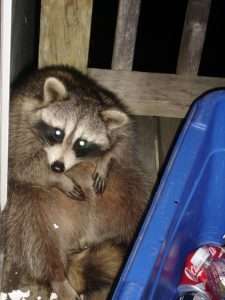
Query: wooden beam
(126, 30)
(152, 94)
(65, 32)
(193, 36)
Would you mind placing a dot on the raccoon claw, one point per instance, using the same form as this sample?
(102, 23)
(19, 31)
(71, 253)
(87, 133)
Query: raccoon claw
(77, 193)
(99, 183)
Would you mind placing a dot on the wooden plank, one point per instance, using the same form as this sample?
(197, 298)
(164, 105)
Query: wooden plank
(189, 58)
(123, 53)
(193, 36)
(125, 38)
(167, 130)
(152, 94)
(146, 145)
(65, 32)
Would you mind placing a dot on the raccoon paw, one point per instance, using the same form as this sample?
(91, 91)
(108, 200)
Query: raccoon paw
(69, 187)
(76, 193)
(99, 182)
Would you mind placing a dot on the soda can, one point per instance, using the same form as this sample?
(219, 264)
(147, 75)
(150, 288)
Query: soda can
(195, 280)
(216, 278)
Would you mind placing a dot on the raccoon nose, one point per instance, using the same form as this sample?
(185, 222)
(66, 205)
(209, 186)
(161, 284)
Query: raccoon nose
(58, 166)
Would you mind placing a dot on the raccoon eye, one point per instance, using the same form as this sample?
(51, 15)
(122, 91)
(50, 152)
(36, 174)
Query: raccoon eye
(49, 134)
(84, 148)
(82, 143)
(58, 135)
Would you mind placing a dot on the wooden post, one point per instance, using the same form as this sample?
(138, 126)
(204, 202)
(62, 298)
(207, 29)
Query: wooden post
(167, 129)
(193, 37)
(191, 47)
(126, 30)
(123, 55)
(65, 32)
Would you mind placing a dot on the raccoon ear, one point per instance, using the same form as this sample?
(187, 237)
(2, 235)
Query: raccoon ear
(114, 118)
(54, 90)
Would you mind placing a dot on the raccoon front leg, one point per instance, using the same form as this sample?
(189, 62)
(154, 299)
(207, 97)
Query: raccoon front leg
(101, 172)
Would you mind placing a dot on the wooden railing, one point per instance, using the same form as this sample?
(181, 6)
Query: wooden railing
(65, 33)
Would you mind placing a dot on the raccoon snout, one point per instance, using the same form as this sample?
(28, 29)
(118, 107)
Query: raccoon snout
(58, 167)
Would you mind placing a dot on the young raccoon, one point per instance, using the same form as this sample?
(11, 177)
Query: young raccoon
(68, 135)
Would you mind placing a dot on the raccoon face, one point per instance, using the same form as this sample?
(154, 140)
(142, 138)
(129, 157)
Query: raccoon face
(72, 132)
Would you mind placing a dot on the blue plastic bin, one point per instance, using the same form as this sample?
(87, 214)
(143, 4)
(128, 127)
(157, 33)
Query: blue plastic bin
(188, 209)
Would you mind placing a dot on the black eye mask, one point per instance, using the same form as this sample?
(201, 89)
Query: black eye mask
(49, 134)
(83, 148)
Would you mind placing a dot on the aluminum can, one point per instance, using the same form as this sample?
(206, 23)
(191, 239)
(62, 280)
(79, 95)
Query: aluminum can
(204, 274)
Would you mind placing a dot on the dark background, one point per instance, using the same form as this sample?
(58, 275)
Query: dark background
(159, 34)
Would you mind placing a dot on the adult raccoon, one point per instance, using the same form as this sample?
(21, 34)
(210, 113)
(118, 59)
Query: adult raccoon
(69, 138)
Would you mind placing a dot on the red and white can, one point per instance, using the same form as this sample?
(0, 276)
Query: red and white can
(201, 273)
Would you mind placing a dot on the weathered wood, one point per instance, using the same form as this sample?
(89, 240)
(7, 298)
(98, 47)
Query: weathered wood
(188, 63)
(65, 32)
(152, 94)
(123, 53)
(125, 38)
(167, 129)
(189, 58)
(193, 36)
(147, 147)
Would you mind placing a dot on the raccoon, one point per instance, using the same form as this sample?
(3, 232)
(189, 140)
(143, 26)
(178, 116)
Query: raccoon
(69, 138)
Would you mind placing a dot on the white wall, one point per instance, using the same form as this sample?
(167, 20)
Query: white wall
(4, 95)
